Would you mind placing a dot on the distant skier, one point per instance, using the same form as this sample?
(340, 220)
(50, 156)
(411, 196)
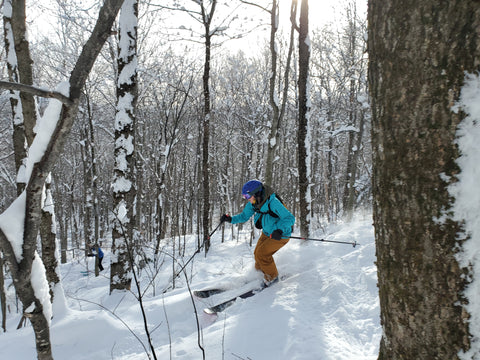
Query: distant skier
(98, 253)
(273, 218)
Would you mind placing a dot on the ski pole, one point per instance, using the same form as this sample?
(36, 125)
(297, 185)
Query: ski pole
(198, 250)
(324, 240)
(213, 232)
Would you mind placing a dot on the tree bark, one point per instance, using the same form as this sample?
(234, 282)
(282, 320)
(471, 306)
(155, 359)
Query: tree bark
(21, 270)
(3, 297)
(124, 192)
(277, 108)
(207, 17)
(19, 141)
(48, 236)
(25, 70)
(303, 109)
(418, 52)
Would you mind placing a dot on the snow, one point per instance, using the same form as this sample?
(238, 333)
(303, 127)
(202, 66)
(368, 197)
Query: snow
(122, 212)
(12, 223)
(325, 307)
(40, 286)
(120, 184)
(125, 103)
(44, 129)
(128, 25)
(467, 199)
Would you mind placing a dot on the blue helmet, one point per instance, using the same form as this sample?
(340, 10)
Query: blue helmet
(250, 188)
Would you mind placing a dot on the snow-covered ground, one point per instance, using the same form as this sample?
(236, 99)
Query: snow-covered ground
(325, 307)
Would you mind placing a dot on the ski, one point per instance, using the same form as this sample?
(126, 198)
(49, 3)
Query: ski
(222, 306)
(246, 294)
(202, 294)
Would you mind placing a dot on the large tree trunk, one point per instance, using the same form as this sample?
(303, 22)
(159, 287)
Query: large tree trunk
(418, 53)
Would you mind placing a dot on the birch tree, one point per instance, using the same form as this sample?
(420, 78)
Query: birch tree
(14, 33)
(303, 110)
(124, 189)
(20, 223)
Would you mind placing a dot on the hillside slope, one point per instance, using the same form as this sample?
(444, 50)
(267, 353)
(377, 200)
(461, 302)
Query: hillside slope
(326, 307)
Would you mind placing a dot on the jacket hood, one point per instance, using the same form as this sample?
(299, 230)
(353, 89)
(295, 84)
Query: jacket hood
(267, 192)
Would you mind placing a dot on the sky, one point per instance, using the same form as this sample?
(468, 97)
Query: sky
(321, 12)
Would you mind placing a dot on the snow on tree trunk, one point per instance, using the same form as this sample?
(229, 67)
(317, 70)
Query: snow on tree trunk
(48, 236)
(418, 53)
(303, 111)
(124, 191)
(20, 223)
(19, 141)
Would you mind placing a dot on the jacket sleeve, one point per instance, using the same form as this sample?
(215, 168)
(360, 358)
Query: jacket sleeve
(285, 218)
(246, 214)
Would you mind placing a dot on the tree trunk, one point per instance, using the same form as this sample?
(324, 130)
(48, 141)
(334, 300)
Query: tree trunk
(25, 70)
(124, 192)
(207, 20)
(418, 53)
(273, 97)
(3, 297)
(277, 108)
(19, 140)
(350, 193)
(31, 198)
(303, 109)
(48, 236)
(62, 223)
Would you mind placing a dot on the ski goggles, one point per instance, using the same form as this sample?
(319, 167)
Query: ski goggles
(246, 196)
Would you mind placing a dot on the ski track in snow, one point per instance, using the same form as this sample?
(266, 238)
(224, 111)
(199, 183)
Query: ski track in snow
(326, 307)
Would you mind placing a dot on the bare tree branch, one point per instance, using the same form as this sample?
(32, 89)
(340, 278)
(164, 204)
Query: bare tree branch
(33, 90)
(253, 4)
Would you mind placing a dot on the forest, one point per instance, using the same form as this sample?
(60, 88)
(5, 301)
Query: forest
(131, 126)
(166, 123)
(168, 129)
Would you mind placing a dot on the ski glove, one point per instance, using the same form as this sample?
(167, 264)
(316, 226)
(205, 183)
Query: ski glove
(277, 234)
(226, 218)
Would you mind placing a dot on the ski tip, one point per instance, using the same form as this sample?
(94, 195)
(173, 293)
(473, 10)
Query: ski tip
(209, 311)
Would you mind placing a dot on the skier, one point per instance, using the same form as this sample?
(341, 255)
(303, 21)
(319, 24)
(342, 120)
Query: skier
(273, 218)
(99, 254)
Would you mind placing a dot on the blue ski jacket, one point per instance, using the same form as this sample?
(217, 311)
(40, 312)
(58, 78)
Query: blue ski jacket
(284, 221)
(100, 252)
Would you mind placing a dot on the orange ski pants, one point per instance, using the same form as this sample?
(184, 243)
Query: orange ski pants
(264, 251)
